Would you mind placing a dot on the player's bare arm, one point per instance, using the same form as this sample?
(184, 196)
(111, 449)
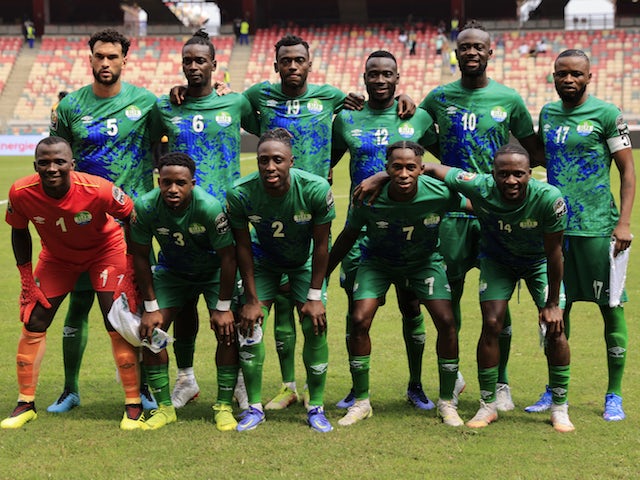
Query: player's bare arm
(222, 321)
(551, 314)
(622, 232)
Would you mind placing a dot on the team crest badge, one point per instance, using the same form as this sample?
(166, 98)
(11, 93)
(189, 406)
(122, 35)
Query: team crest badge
(560, 207)
(466, 176)
(133, 113)
(314, 105)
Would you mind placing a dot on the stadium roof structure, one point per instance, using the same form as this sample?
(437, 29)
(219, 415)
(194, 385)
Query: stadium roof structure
(589, 15)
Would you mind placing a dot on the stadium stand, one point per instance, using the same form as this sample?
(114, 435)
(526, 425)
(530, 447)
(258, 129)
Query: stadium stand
(9, 48)
(338, 53)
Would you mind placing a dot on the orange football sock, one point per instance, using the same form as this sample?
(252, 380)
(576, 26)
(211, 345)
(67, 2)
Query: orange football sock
(31, 347)
(126, 359)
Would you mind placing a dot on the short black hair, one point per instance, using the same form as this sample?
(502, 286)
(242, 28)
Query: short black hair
(511, 149)
(574, 52)
(179, 159)
(281, 135)
(290, 41)
(108, 35)
(382, 54)
(417, 149)
(202, 38)
(473, 24)
(52, 140)
(62, 94)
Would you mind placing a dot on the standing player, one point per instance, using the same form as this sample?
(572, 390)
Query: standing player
(366, 134)
(306, 111)
(72, 213)
(522, 221)
(581, 134)
(207, 128)
(400, 248)
(474, 116)
(196, 257)
(108, 126)
(291, 212)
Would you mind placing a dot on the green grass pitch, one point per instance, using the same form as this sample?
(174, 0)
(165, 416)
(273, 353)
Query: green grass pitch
(398, 442)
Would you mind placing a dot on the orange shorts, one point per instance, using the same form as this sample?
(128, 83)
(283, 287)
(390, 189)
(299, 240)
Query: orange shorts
(57, 278)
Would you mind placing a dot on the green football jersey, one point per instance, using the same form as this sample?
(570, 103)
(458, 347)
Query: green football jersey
(474, 123)
(368, 132)
(403, 234)
(188, 239)
(511, 234)
(578, 147)
(208, 130)
(283, 225)
(110, 137)
(307, 117)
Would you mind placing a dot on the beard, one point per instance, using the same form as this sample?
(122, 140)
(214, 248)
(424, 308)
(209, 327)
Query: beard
(571, 97)
(114, 78)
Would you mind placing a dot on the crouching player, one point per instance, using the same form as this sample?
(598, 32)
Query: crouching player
(73, 214)
(521, 226)
(400, 247)
(197, 256)
(291, 212)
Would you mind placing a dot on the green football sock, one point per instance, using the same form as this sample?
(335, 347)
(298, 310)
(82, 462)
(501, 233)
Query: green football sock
(158, 378)
(615, 335)
(457, 287)
(359, 366)
(447, 372)
(559, 383)
(251, 361)
(75, 335)
(184, 349)
(284, 332)
(504, 343)
(227, 378)
(315, 355)
(487, 378)
(413, 331)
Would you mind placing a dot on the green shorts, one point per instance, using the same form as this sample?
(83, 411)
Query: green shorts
(586, 269)
(498, 281)
(268, 278)
(174, 290)
(427, 282)
(459, 243)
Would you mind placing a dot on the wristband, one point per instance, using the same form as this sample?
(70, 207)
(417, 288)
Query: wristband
(223, 305)
(314, 294)
(151, 306)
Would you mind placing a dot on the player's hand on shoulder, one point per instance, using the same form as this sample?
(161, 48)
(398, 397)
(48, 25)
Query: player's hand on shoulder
(221, 88)
(354, 101)
(178, 94)
(406, 106)
(370, 188)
